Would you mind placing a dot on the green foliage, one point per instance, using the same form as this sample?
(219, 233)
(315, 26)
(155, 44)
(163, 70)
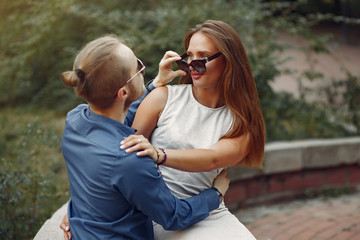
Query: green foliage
(27, 185)
(327, 193)
(39, 40)
(343, 101)
(42, 38)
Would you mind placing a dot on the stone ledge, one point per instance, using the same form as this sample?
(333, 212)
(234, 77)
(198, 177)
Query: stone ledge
(281, 157)
(50, 230)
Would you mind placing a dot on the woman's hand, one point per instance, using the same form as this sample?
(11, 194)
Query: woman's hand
(139, 143)
(65, 226)
(166, 74)
(221, 182)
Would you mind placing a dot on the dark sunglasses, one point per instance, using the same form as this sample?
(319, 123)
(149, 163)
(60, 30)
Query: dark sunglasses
(197, 64)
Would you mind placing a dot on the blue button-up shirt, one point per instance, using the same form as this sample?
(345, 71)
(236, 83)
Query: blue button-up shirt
(115, 195)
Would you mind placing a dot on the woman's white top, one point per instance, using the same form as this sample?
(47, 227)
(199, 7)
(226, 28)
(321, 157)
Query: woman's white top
(187, 124)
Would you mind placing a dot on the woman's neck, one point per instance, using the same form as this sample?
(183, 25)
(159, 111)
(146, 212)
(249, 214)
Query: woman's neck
(209, 97)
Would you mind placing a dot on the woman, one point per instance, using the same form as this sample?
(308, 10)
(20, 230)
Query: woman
(215, 112)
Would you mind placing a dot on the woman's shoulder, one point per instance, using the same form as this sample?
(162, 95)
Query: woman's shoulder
(179, 90)
(179, 86)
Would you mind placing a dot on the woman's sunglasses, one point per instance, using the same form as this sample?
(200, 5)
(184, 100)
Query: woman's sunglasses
(197, 64)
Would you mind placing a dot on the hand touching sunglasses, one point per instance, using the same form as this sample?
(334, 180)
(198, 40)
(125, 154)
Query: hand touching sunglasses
(197, 64)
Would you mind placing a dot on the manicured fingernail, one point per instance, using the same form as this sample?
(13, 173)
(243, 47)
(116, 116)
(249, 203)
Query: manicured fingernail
(122, 147)
(67, 228)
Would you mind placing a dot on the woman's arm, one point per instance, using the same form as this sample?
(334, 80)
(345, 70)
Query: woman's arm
(149, 111)
(225, 153)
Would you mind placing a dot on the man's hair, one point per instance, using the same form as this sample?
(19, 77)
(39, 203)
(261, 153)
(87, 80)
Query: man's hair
(98, 71)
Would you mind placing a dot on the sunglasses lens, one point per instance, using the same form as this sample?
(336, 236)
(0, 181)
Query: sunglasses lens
(183, 65)
(199, 66)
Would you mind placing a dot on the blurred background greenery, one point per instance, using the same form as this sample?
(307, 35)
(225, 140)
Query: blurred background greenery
(39, 40)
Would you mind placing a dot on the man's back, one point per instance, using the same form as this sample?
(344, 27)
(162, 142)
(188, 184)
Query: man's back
(96, 200)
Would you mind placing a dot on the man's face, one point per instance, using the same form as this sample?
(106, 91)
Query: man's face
(135, 83)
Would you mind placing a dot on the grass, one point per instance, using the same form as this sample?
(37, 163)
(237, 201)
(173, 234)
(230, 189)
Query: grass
(33, 174)
(14, 124)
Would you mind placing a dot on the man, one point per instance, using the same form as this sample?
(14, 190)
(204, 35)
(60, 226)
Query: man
(115, 195)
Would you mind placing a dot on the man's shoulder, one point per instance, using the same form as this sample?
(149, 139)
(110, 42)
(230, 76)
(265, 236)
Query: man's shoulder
(74, 112)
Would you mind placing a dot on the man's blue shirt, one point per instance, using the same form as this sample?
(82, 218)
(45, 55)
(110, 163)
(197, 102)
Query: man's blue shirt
(115, 195)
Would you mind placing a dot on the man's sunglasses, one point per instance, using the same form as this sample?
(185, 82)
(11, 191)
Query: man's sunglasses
(141, 69)
(197, 64)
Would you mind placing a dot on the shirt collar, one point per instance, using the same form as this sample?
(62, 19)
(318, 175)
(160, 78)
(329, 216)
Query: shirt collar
(92, 116)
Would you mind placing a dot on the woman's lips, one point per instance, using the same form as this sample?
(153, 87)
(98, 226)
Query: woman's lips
(196, 75)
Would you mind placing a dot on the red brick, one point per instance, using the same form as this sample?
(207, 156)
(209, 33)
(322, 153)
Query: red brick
(296, 182)
(354, 175)
(236, 193)
(337, 178)
(314, 179)
(345, 235)
(253, 189)
(305, 235)
(275, 186)
(355, 237)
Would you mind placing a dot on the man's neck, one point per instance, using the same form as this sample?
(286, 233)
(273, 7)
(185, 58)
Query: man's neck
(115, 112)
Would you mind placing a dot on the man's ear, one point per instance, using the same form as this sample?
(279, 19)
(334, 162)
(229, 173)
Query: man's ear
(123, 93)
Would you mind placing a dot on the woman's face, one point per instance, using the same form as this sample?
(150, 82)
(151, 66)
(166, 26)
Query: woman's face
(201, 46)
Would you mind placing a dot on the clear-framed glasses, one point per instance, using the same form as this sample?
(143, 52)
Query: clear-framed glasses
(197, 64)
(141, 68)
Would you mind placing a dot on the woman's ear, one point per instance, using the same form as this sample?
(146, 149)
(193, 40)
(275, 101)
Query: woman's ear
(123, 93)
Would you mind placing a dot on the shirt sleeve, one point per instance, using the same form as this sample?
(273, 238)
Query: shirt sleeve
(129, 119)
(143, 187)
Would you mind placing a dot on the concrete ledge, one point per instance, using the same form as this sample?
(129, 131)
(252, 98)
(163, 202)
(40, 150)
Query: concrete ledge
(51, 228)
(281, 157)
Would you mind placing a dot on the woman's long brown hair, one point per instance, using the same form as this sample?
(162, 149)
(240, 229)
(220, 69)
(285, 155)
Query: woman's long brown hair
(239, 88)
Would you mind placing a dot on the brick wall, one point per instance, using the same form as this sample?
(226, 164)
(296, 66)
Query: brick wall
(290, 185)
(295, 169)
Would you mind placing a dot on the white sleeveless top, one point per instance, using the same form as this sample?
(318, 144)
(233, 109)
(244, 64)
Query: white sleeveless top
(186, 124)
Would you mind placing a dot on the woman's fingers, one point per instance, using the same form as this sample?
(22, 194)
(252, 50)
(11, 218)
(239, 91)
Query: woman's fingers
(133, 140)
(141, 144)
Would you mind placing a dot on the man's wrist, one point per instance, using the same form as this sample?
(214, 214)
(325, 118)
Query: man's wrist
(150, 85)
(221, 197)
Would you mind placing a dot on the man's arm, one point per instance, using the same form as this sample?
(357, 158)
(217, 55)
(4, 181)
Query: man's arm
(134, 106)
(143, 186)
